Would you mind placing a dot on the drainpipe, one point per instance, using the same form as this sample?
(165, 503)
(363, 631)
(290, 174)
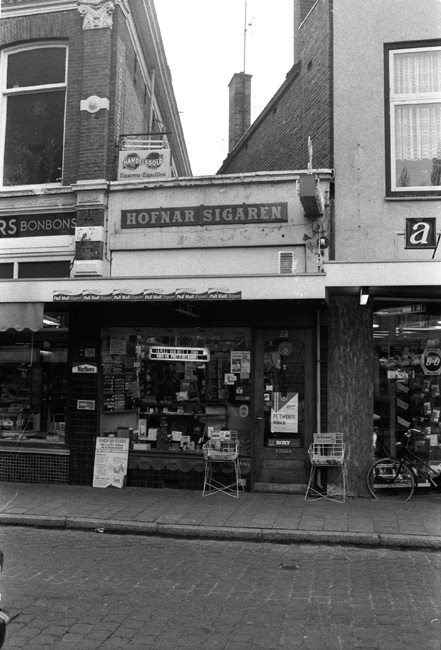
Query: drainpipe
(317, 376)
(152, 91)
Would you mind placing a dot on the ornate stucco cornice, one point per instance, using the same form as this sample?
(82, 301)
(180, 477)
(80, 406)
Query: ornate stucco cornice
(16, 8)
(97, 14)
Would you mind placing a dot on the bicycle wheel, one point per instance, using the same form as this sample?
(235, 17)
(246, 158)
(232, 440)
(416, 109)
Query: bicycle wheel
(389, 478)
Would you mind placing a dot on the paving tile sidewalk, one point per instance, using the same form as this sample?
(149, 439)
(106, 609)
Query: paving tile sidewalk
(264, 517)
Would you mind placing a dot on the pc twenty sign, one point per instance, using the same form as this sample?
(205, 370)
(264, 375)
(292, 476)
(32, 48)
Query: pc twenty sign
(205, 215)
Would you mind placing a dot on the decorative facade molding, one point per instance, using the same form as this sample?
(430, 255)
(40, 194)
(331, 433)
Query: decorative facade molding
(94, 103)
(97, 14)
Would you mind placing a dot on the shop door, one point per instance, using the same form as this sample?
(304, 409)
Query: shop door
(284, 405)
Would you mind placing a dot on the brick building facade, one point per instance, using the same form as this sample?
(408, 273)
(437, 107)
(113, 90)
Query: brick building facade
(364, 88)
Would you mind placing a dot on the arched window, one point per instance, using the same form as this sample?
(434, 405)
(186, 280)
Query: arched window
(33, 93)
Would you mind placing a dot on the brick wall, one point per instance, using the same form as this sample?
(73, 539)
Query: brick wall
(129, 96)
(278, 139)
(101, 62)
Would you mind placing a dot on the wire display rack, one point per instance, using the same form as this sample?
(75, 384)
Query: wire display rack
(327, 450)
(223, 447)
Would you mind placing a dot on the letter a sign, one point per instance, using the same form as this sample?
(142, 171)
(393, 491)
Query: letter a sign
(421, 233)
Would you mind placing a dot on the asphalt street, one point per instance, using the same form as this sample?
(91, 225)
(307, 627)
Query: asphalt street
(86, 590)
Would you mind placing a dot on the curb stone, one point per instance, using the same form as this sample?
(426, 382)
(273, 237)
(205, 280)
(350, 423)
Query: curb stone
(263, 535)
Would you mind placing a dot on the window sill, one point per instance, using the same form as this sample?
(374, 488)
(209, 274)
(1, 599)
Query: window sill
(33, 190)
(423, 197)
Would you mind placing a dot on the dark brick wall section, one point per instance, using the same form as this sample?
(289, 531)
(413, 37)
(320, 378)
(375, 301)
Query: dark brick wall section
(90, 217)
(278, 139)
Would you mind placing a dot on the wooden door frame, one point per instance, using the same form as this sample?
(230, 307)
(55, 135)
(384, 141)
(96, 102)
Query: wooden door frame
(257, 455)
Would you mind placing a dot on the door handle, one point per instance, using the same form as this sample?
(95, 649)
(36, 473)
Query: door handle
(258, 419)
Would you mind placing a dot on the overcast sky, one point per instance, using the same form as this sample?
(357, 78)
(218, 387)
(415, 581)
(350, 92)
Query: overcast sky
(204, 45)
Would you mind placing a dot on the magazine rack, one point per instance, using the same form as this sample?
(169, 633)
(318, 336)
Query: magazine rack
(327, 450)
(222, 448)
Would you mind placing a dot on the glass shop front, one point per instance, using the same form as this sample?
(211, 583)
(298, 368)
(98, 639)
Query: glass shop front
(33, 390)
(407, 381)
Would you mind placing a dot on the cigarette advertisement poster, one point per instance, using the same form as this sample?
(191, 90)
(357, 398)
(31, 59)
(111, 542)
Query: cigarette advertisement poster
(111, 457)
(285, 413)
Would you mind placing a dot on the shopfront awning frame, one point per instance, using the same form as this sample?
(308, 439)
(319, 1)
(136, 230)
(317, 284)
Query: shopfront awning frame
(136, 289)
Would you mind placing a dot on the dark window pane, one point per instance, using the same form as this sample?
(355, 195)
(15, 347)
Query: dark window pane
(36, 67)
(6, 271)
(43, 269)
(34, 138)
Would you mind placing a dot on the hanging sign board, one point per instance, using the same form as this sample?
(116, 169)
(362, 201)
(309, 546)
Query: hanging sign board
(166, 353)
(285, 413)
(144, 163)
(111, 458)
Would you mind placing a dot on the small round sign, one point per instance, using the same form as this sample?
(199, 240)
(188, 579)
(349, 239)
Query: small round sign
(431, 361)
(243, 410)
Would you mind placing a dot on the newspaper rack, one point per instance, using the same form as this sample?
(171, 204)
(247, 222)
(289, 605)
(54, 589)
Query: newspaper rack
(223, 447)
(327, 450)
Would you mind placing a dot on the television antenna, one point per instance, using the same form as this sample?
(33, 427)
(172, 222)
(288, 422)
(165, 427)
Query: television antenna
(245, 29)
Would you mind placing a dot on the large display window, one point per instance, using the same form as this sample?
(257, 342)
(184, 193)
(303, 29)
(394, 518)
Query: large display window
(168, 389)
(407, 388)
(33, 382)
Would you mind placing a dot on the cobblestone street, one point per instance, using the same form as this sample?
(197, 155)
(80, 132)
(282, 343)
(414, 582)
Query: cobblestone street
(91, 590)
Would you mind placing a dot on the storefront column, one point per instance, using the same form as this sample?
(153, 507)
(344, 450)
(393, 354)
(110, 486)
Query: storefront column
(350, 384)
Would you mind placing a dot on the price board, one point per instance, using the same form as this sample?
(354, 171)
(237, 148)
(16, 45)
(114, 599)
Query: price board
(111, 459)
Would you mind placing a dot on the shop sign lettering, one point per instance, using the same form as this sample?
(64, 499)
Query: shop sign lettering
(205, 215)
(166, 353)
(85, 369)
(421, 233)
(212, 293)
(37, 225)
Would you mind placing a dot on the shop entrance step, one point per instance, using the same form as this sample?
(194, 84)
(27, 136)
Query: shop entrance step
(293, 488)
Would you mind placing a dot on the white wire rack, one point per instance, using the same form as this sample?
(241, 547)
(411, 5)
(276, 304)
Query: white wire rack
(223, 447)
(327, 450)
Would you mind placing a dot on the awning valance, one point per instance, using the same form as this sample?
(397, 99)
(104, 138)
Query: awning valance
(21, 316)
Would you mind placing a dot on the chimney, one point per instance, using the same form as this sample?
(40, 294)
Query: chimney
(240, 107)
(301, 10)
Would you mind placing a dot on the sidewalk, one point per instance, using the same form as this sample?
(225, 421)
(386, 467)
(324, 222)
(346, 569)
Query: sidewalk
(259, 517)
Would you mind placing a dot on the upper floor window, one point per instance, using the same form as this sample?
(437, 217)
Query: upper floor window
(33, 92)
(414, 120)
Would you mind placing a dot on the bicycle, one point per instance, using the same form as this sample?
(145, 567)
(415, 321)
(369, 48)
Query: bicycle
(398, 477)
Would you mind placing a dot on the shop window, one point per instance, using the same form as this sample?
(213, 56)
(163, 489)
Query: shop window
(6, 271)
(33, 89)
(413, 90)
(169, 389)
(407, 380)
(44, 269)
(33, 383)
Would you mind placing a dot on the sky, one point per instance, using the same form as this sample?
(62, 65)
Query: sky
(204, 46)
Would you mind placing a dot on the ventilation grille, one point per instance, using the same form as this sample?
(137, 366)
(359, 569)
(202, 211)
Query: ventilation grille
(286, 262)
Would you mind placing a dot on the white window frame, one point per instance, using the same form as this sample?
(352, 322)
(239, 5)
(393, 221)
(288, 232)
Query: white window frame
(22, 90)
(396, 99)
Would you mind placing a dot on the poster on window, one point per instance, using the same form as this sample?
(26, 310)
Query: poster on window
(111, 457)
(285, 413)
(241, 363)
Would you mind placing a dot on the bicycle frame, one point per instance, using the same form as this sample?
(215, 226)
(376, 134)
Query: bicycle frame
(416, 464)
